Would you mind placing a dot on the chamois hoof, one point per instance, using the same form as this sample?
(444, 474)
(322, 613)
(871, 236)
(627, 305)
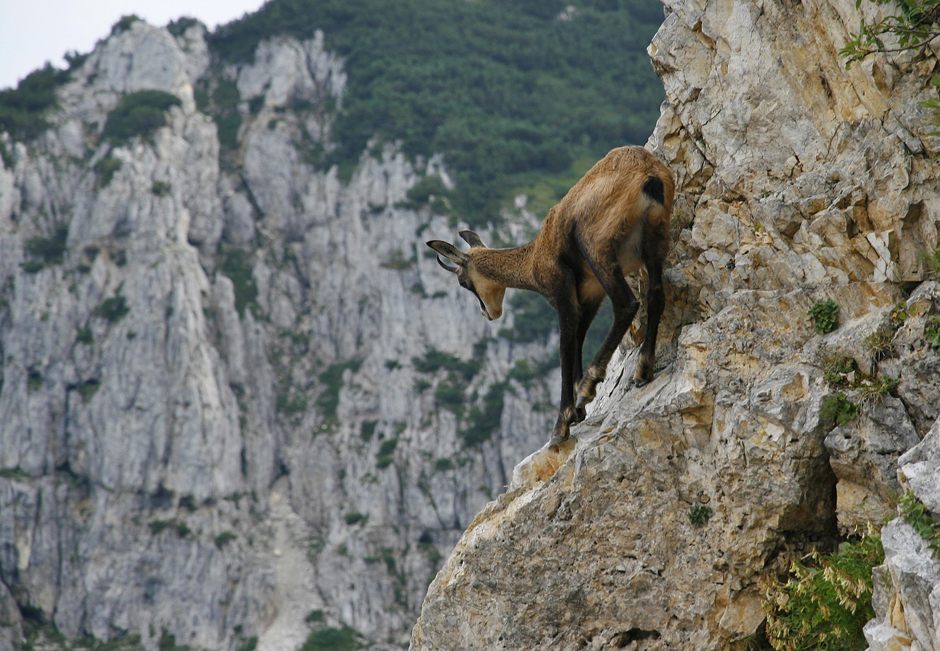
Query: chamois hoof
(557, 440)
(581, 403)
(580, 413)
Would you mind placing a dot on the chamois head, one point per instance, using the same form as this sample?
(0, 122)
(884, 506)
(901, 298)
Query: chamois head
(489, 292)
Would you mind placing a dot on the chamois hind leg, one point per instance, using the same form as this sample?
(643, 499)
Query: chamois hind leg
(588, 310)
(625, 306)
(655, 304)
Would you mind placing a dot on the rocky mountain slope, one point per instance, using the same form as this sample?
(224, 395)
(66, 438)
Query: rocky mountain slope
(799, 182)
(239, 400)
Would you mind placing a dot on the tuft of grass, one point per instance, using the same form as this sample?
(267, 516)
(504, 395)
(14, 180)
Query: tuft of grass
(84, 336)
(386, 452)
(825, 315)
(826, 600)
(932, 259)
(50, 250)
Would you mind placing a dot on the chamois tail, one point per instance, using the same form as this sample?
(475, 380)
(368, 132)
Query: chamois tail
(653, 188)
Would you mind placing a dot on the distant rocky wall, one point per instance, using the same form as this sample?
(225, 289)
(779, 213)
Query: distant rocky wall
(212, 423)
(799, 181)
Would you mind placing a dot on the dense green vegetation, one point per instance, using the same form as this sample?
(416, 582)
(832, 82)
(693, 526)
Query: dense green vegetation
(23, 109)
(826, 601)
(508, 92)
(138, 114)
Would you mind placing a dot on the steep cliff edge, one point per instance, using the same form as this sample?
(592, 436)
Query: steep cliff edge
(798, 182)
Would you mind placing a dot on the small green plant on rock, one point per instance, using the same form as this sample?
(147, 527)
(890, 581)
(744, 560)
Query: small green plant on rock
(932, 332)
(915, 514)
(838, 409)
(699, 514)
(825, 315)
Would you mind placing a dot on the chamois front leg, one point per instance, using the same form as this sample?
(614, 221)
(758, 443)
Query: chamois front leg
(568, 329)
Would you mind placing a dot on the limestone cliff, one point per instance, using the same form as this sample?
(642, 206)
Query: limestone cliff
(220, 366)
(798, 181)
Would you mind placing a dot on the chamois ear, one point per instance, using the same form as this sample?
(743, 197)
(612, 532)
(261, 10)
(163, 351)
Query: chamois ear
(449, 251)
(472, 238)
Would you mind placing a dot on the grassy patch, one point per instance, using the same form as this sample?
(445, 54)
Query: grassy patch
(88, 389)
(826, 601)
(699, 515)
(354, 517)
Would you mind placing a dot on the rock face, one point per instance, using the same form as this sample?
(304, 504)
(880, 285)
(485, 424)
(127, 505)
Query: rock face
(798, 181)
(219, 386)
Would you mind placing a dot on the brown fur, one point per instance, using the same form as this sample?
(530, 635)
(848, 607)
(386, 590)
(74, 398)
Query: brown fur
(604, 228)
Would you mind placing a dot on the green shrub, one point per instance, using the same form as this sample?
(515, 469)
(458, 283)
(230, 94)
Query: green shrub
(331, 639)
(826, 602)
(113, 309)
(179, 26)
(160, 188)
(482, 422)
(23, 109)
(50, 249)
(354, 517)
(224, 538)
(105, 169)
(249, 644)
(435, 360)
(443, 465)
(367, 430)
(332, 380)
(88, 389)
(124, 24)
(32, 266)
(315, 616)
(290, 406)
(138, 114)
(825, 315)
(385, 457)
(449, 394)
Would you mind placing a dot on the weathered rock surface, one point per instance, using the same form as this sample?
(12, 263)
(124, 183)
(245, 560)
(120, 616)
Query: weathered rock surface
(798, 181)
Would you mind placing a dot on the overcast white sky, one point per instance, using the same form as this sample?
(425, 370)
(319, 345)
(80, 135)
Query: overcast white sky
(35, 31)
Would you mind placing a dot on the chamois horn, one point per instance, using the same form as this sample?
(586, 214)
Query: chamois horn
(471, 238)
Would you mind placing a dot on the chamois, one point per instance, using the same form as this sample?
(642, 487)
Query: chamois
(612, 222)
